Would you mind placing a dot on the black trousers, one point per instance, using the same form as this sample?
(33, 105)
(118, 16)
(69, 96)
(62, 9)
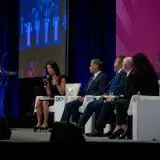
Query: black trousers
(106, 115)
(121, 106)
(71, 110)
(92, 107)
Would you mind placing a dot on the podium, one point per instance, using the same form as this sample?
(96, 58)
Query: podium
(5, 131)
(4, 75)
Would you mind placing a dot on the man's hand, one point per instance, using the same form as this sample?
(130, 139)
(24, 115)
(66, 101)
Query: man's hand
(80, 98)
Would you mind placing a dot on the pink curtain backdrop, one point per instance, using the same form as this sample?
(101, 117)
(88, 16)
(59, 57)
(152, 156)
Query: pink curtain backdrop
(138, 28)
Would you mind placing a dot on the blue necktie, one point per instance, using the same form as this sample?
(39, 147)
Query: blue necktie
(89, 83)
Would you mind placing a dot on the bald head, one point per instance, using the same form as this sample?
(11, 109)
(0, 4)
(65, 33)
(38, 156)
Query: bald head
(127, 64)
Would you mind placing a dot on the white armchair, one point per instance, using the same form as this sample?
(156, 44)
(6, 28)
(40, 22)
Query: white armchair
(90, 125)
(87, 99)
(146, 117)
(60, 101)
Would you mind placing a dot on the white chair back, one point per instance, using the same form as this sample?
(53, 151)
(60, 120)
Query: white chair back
(72, 89)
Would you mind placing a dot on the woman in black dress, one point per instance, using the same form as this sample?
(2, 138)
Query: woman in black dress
(54, 85)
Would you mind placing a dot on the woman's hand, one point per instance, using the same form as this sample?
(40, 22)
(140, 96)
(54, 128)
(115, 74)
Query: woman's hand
(46, 83)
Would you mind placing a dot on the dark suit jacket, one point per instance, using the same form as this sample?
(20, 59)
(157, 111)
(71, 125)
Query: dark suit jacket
(98, 85)
(117, 84)
(132, 84)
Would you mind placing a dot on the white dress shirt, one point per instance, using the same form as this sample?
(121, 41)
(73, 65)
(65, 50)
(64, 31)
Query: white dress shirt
(96, 74)
(129, 72)
(120, 70)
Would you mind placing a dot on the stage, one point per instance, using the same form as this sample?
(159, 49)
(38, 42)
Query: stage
(28, 135)
(28, 143)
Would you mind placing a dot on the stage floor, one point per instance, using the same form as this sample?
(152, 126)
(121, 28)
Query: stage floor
(28, 135)
(96, 147)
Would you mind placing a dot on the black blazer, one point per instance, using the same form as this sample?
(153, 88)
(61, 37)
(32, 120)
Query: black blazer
(131, 84)
(98, 85)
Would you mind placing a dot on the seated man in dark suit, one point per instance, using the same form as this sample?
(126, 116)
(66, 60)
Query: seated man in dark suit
(116, 87)
(95, 86)
(109, 106)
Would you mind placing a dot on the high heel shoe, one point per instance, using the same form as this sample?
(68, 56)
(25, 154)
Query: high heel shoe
(116, 133)
(36, 128)
(44, 128)
(123, 136)
(108, 134)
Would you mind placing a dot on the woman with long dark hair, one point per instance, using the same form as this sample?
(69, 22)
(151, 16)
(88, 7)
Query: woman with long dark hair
(147, 75)
(54, 85)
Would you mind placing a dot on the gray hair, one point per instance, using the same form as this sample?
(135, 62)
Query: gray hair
(97, 62)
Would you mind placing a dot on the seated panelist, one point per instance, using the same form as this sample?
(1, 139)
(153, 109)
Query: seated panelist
(54, 84)
(95, 86)
(145, 81)
(116, 87)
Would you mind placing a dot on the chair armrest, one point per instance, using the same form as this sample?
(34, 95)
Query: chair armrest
(97, 97)
(58, 102)
(136, 98)
(43, 98)
(86, 100)
(109, 96)
(72, 98)
(132, 103)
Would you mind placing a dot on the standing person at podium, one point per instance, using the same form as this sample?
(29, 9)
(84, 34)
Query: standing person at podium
(95, 86)
(55, 85)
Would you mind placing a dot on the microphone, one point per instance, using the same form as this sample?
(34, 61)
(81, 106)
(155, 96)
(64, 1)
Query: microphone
(48, 78)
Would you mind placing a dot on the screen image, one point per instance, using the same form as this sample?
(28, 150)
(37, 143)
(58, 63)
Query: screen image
(42, 36)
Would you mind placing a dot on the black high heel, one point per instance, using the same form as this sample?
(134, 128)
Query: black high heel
(36, 128)
(123, 136)
(116, 133)
(108, 134)
(44, 128)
